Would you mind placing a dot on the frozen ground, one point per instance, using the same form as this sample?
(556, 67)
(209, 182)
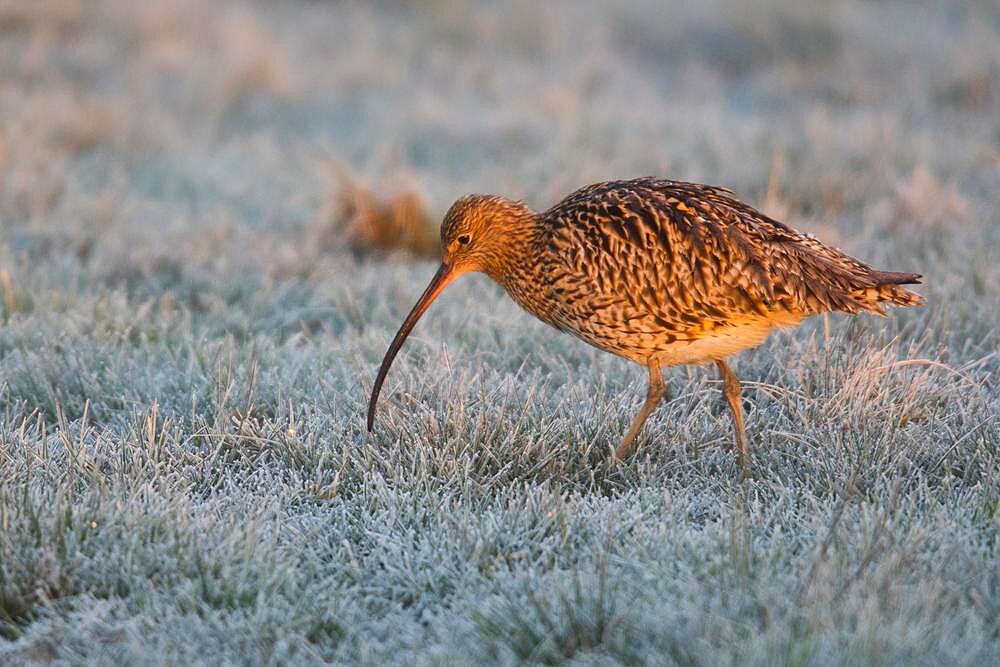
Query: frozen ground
(184, 471)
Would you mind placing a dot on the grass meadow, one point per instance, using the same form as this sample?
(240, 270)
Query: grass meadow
(194, 299)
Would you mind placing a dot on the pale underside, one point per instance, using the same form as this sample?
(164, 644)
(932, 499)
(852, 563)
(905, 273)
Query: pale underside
(717, 345)
(711, 346)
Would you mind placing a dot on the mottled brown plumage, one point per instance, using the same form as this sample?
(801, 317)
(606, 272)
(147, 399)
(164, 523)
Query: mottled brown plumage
(660, 272)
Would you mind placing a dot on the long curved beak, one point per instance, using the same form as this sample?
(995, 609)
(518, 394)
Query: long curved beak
(440, 280)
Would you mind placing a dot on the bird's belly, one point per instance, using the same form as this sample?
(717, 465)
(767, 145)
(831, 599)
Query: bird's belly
(671, 349)
(717, 344)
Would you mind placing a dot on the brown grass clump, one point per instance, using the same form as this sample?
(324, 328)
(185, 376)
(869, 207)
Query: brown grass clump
(360, 219)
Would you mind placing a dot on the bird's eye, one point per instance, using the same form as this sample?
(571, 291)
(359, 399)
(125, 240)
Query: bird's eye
(464, 239)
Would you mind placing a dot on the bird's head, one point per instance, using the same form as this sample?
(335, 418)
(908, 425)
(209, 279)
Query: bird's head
(479, 233)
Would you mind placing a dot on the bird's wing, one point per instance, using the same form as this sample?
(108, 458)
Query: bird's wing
(682, 258)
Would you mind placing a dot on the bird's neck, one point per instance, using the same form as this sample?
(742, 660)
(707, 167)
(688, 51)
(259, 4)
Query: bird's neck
(518, 267)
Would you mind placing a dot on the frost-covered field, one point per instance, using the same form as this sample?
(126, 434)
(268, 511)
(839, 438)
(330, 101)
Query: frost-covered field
(186, 348)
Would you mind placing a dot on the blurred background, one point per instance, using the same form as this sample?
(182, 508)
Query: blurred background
(190, 137)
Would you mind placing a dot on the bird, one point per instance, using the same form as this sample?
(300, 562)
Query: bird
(660, 272)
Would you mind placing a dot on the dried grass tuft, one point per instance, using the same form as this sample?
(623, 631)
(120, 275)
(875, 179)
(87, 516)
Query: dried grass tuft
(366, 222)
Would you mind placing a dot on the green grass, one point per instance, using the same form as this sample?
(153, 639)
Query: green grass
(185, 475)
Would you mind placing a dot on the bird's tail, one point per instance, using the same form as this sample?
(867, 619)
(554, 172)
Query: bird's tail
(888, 288)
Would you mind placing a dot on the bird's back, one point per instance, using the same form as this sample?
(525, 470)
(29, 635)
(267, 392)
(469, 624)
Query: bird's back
(645, 266)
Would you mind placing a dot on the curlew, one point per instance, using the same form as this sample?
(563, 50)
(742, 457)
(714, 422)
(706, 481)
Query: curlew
(657, 271)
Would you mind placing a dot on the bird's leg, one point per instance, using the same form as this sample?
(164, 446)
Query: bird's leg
(731, 390)
(654, 394)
